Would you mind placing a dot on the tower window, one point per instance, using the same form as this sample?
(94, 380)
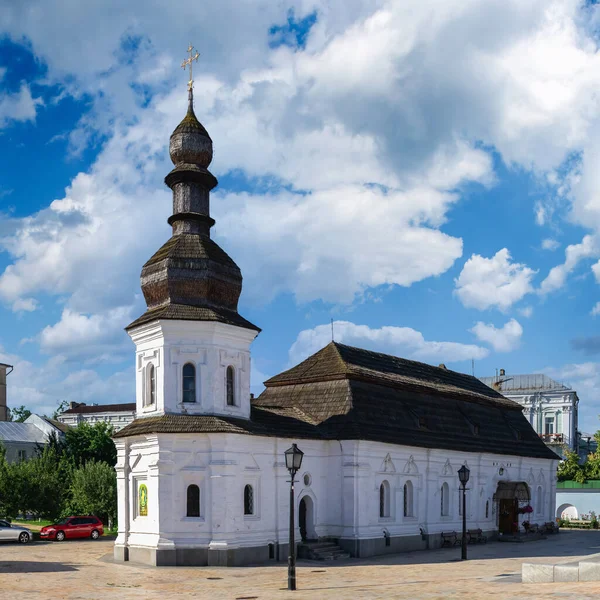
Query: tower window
(248, 500)
(193, 501)
(230, 377)
(150, 384)
(189, 383)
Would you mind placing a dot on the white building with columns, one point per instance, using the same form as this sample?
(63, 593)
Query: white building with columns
(201, 472)
(550, 407)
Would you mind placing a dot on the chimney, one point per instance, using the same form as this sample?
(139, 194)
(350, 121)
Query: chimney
(3, 405)
(502, 372)
(76, 404)
(442, 366)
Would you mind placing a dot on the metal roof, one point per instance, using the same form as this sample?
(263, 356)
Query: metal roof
(21, 432)
(524, 383)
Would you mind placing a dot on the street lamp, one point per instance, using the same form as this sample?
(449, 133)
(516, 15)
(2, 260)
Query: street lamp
(463, 476)
(293, 462)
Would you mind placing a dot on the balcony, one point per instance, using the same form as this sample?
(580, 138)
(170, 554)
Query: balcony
(553, 438)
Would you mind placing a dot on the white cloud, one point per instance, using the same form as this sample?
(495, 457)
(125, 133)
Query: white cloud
(25, 305)
(505, 339)
(488, 282)
(526, 311)
(550, 244)
(399, 341)
(574, 254)
(20, 106)
(596, 310)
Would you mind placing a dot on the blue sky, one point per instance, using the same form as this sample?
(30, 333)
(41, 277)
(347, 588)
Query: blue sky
(423, 174)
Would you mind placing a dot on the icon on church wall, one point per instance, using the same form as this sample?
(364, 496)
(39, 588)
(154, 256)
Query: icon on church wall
(143, 500)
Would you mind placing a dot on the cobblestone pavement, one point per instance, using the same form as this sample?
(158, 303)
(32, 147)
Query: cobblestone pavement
(84, 570)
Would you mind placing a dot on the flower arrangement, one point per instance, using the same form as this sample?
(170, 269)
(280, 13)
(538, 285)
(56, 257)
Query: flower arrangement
(523, 510)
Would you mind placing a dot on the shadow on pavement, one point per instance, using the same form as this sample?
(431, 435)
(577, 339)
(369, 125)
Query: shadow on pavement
(26, 566)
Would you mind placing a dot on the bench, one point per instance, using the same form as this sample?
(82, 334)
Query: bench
(449, 538)
(532, 528)
(550, 527)
(475, 536)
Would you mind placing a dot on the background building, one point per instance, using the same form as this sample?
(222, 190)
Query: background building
(118, 415)
(21, 440)
(551, 407)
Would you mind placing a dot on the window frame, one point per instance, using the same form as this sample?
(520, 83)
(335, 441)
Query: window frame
(196, 502)
(384, 500)
(249, 501)
(192, 378)
(150, 392)
(408, 499)
(445, 500)
(230, 395)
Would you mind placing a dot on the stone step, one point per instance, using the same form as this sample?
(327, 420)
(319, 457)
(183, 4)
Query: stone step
(324, 550)
(583, 570)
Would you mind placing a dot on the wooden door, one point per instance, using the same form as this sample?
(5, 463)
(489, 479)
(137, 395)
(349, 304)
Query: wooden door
(508, 515)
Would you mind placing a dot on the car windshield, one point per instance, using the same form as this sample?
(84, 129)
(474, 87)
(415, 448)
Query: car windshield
(62, 522)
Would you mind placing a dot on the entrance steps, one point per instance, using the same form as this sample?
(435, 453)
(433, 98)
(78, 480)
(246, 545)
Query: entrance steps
(582, 570)
(521, 539)
(321, 550)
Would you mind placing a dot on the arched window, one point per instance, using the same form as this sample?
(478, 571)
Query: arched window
(248, 500)
(384, 500)
(445, 500)
(487, 509)
(193, 501)
(230, 386)
(408, 499)
(189, 383)
(150, 384)
(539, 499)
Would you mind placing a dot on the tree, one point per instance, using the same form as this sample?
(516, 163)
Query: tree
(569, 469)
(19, 414)
(87, 442)
(94, 491)
(62, 406)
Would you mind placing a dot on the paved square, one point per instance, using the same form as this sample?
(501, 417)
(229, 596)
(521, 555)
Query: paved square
(84, 569)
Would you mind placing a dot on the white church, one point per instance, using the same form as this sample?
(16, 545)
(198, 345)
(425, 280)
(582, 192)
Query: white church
(201, 470)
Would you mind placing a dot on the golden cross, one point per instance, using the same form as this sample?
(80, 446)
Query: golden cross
(188, 61)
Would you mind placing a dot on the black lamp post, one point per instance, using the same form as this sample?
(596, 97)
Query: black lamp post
(293, 462)
(463, 476)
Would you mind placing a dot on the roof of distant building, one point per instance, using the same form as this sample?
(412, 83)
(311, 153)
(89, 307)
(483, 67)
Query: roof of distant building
(524, 383)
(21, 432)
(348, 393)
(100, 408)
(60, 426)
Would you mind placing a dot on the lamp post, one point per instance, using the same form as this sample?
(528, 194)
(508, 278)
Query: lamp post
(293, 462)
(463, 476)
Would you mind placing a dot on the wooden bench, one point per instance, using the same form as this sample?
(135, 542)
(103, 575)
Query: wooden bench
(449, 538)
(550, 527)
(532, 528)
(475, 536)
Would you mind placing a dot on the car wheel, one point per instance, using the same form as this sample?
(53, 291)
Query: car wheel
(60, 536)
(95, 534)
(24, 538)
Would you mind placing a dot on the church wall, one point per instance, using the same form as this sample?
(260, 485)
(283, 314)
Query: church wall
(211, 347)
(342, 482)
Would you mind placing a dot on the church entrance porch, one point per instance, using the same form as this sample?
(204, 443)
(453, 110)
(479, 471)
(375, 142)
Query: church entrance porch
(509, 495)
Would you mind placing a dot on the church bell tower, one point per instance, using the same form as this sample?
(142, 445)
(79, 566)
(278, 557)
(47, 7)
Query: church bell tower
(192, 345)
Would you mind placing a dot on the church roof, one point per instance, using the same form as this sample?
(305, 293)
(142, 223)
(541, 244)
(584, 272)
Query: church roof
(343, 392)
(525, 383)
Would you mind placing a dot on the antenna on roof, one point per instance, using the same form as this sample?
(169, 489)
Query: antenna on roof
(332, 329)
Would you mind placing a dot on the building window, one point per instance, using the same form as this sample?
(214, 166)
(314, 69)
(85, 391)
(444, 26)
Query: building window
(549, 425)
(444, 500)
(384, 500)
(248, 500)
(22, 455)
(539, 499)
(189, 383)
(193, 501)
(230, 386)
(150, 384)
(487, 509)
(408, 499)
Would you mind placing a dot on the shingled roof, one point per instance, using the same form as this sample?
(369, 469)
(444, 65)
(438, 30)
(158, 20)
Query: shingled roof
(343, 392)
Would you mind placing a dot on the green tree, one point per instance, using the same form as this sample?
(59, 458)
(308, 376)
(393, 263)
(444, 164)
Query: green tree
(62, 406)
(87, 442)
(94, 491)
(19, 414)
(570, 469)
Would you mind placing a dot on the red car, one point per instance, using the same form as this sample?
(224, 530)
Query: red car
(73, 527)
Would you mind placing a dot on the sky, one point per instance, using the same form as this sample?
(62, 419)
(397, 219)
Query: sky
(423, 172)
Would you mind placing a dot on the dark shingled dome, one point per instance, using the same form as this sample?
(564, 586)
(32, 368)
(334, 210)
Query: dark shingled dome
(191, 270)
